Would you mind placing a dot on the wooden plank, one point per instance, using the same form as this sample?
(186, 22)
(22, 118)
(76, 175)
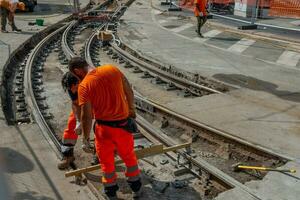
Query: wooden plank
(141, 153)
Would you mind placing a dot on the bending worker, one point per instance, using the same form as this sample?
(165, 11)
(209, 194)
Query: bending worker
(201, 14)
(105, 92)
(8, 9)
(70, 84)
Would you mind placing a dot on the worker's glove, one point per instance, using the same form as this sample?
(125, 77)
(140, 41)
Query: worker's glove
(201, 14)
(86, 146)
(78, 127)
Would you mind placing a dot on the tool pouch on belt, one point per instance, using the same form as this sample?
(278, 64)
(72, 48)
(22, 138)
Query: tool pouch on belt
(128, 124)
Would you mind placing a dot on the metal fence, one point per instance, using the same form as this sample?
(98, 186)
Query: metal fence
(277, 8)
(285, 8)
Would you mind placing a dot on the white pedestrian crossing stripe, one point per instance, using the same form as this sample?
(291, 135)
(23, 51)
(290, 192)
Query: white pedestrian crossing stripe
(182, 28)
(289, 58)
(241, 45)
(172, 18)
(156, 12)
(162, 21)
(208, 35)
(212, 33)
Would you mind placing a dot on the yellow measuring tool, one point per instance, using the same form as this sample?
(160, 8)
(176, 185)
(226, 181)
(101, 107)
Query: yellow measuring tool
(265, 169)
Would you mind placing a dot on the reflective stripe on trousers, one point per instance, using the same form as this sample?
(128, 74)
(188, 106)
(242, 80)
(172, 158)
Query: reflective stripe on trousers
(109, 179)
(132, 171)
(69, 141)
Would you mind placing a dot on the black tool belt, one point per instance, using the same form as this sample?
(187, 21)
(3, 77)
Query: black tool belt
(128, 124)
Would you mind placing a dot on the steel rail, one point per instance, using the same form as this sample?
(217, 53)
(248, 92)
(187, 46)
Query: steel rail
(216, 131)
(166, 75)
(29, 93)
(198, 162)
(65, 47)
(93, 36)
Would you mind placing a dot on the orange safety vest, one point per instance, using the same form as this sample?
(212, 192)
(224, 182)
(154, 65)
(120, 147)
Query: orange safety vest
(103, 88)
(200, 6)
(5, 4)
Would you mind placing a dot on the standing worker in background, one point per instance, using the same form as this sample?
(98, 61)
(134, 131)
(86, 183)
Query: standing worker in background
(8, 9)
(106, 92)
(201, 14)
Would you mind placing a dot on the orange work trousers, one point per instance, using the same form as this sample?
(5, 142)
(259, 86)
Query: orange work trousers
(107, 140)
(69, 137)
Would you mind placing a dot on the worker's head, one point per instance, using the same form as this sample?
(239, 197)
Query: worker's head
(78, 67)
(69, 82)
(21, 6)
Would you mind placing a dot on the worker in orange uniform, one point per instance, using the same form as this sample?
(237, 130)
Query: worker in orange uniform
(105, 92)
(8, 9)
(201, 14)
(70, 84)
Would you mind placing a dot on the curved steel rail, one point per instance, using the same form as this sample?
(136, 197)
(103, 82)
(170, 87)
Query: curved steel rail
(199, 163)
(116, 15)
(88, 45)
(231, 182)
(64, 44)
(30, 97)
(166, 75)
(212, 129)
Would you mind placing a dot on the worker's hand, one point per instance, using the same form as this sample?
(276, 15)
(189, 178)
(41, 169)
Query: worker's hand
(86, 146)
(78, 127)
(132, 113)
(201, 14)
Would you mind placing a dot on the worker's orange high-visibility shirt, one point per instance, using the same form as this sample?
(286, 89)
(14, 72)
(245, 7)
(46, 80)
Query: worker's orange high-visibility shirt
(5, 4)
(200, 5)
(103, 88)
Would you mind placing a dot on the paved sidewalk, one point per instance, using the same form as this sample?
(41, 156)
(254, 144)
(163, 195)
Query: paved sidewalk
(233, 22)
(27, 158)
(265, 112)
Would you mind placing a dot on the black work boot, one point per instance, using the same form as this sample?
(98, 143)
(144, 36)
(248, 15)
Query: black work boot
(15, 29)
(136, 187)
(111, 192)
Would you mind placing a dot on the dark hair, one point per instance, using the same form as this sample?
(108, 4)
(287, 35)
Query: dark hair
(77, 62)
(68, 80)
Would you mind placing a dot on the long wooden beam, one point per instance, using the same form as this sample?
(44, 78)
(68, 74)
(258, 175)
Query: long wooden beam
(141, 153)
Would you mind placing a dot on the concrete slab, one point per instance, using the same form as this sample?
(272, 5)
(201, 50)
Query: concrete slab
(30, 167)
(250, 119)
(202, 58)
(265, 113)
(274, 186)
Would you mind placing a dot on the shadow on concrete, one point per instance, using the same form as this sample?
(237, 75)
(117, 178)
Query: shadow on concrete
(39, 165)
(15, 162)
(30, 195)
(290, 175)
(229, 39)
(259, 85)
(25, 33)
